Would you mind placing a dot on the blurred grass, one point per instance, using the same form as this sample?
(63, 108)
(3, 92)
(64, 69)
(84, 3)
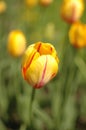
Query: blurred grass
(61, 104)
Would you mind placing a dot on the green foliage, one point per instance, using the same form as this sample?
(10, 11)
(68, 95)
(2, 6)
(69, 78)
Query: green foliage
(61, 104)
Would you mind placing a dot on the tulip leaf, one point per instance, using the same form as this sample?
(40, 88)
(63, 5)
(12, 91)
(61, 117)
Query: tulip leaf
(44, 117)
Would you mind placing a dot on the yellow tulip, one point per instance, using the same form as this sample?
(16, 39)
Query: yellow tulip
(40, 64)
(3, 6)
(31, 3)
(72, 10)
(16, 43)
(77, 35)
(45, 2)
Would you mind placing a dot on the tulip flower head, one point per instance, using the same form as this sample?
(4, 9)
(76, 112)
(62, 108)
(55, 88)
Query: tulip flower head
(77, 35)
(3, 6)
(31, 3)
(40, 64)
(72, 10)
(16, 43)
(45, 2)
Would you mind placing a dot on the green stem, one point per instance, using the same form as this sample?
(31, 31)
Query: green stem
(31, 104)
(24, 125)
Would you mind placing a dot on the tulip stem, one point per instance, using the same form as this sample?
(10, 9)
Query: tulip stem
(31, 104)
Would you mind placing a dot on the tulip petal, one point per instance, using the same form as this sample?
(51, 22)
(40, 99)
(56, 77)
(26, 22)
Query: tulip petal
(41, 70)
(30, 55)
(45, 49)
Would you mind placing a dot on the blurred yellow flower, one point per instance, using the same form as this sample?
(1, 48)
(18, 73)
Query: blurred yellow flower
(40, 64)
(45, 2)
(50, 31)
(77, 35)
(31, 3)
(16, 43)
(3, 6)
(72, 10)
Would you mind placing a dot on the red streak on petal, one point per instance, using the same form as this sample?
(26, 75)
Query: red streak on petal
(27, 66)
(39, 47)
(44, 69)
(41, 83)
(51, 49)
(53, 75)
(30, 60)
(23, 72)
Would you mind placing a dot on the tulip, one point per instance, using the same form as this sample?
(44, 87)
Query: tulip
(16, 43)
(3, 6)
(31, 3)
(45, 2)
(72, 10)
(40, 64)
(77, 35)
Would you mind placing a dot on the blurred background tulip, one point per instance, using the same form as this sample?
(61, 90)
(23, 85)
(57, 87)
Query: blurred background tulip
(77, 35)
(16, 43)
(45, 2)
(50, 31)
(72, 10)
(3, 6)
(40, 64)
(31, 3)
